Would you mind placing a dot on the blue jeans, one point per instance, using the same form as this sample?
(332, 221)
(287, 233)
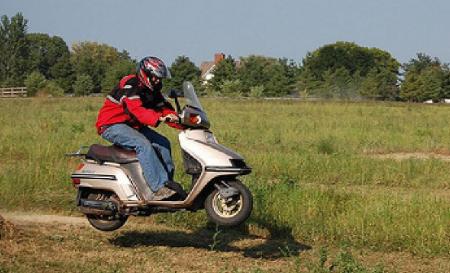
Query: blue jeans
(152, 150)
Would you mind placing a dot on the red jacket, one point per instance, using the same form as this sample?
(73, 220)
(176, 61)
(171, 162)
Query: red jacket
(132, 103)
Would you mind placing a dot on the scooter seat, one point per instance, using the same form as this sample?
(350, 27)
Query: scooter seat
(116, 154)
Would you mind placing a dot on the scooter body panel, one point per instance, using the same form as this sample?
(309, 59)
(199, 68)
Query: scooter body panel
(203, 146)
(106, 176)
(202, 182)
(215, 161)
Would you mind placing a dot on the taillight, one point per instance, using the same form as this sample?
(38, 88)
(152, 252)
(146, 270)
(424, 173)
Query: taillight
(75, 181)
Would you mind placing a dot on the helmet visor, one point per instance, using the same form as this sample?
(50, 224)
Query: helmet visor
(161, 73)
(168, 75)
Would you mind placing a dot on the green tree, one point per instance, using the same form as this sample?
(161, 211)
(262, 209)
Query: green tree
(51, 57)
(360, 62)
(349, 56)
(62, 73)
(291, 70)
(429, 84)
(380, 85)
(182, 69)
(83, 85)
(35, 82)
(307, 84)
(13, 50)
(425, 78)
(94, 59)
(263, 71)
(225, 70)
(45, 52)
(252, 71)
(445, 81)
(337, 84)
(420, 63)
(116, 72)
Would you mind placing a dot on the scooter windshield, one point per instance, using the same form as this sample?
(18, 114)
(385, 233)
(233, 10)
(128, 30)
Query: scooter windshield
(190, 96)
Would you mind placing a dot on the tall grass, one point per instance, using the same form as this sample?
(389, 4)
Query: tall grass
(312, 173)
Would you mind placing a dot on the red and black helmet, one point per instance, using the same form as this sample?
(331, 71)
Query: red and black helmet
(151, 70)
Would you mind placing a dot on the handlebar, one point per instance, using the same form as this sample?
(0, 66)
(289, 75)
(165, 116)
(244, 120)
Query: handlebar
(168, 119)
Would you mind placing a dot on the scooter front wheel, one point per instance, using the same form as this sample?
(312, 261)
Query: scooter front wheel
(231, 211)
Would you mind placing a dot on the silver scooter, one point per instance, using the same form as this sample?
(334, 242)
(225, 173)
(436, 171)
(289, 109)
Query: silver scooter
(111, 186)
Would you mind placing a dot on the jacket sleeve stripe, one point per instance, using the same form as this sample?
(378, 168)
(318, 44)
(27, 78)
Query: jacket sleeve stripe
(134, 98)
(113, 99)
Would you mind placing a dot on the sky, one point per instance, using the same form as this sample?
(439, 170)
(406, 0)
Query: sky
(283, 28)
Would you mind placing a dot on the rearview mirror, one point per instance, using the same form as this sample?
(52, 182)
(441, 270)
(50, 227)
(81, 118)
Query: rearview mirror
(173, 94)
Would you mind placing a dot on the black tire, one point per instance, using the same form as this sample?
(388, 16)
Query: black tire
(105, 222)
(237, 216)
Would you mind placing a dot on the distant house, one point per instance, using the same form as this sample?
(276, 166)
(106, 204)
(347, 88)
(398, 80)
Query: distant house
(207, 68)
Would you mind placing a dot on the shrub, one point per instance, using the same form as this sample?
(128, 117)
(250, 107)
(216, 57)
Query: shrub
(53, 89)
(326, 146)
(34, 82)
(231, 88)
(257, 91)
(83, 85)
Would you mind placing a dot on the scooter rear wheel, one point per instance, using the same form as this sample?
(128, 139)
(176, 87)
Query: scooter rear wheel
(105, 222)
(233, 211)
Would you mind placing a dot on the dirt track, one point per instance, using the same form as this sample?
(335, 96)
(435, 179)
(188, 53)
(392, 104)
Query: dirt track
(48, 243)
(21, 218)
(410, 155)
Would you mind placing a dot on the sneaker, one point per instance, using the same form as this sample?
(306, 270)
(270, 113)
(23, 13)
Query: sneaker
(163, 193)
(177, 188)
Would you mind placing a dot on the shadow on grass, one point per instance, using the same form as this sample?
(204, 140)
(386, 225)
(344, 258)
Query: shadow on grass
(279, 244)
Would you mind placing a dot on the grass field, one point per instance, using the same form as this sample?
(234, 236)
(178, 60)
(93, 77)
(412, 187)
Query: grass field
(317, 171)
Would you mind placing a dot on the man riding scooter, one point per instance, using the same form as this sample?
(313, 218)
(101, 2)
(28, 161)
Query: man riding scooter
(133, 105)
